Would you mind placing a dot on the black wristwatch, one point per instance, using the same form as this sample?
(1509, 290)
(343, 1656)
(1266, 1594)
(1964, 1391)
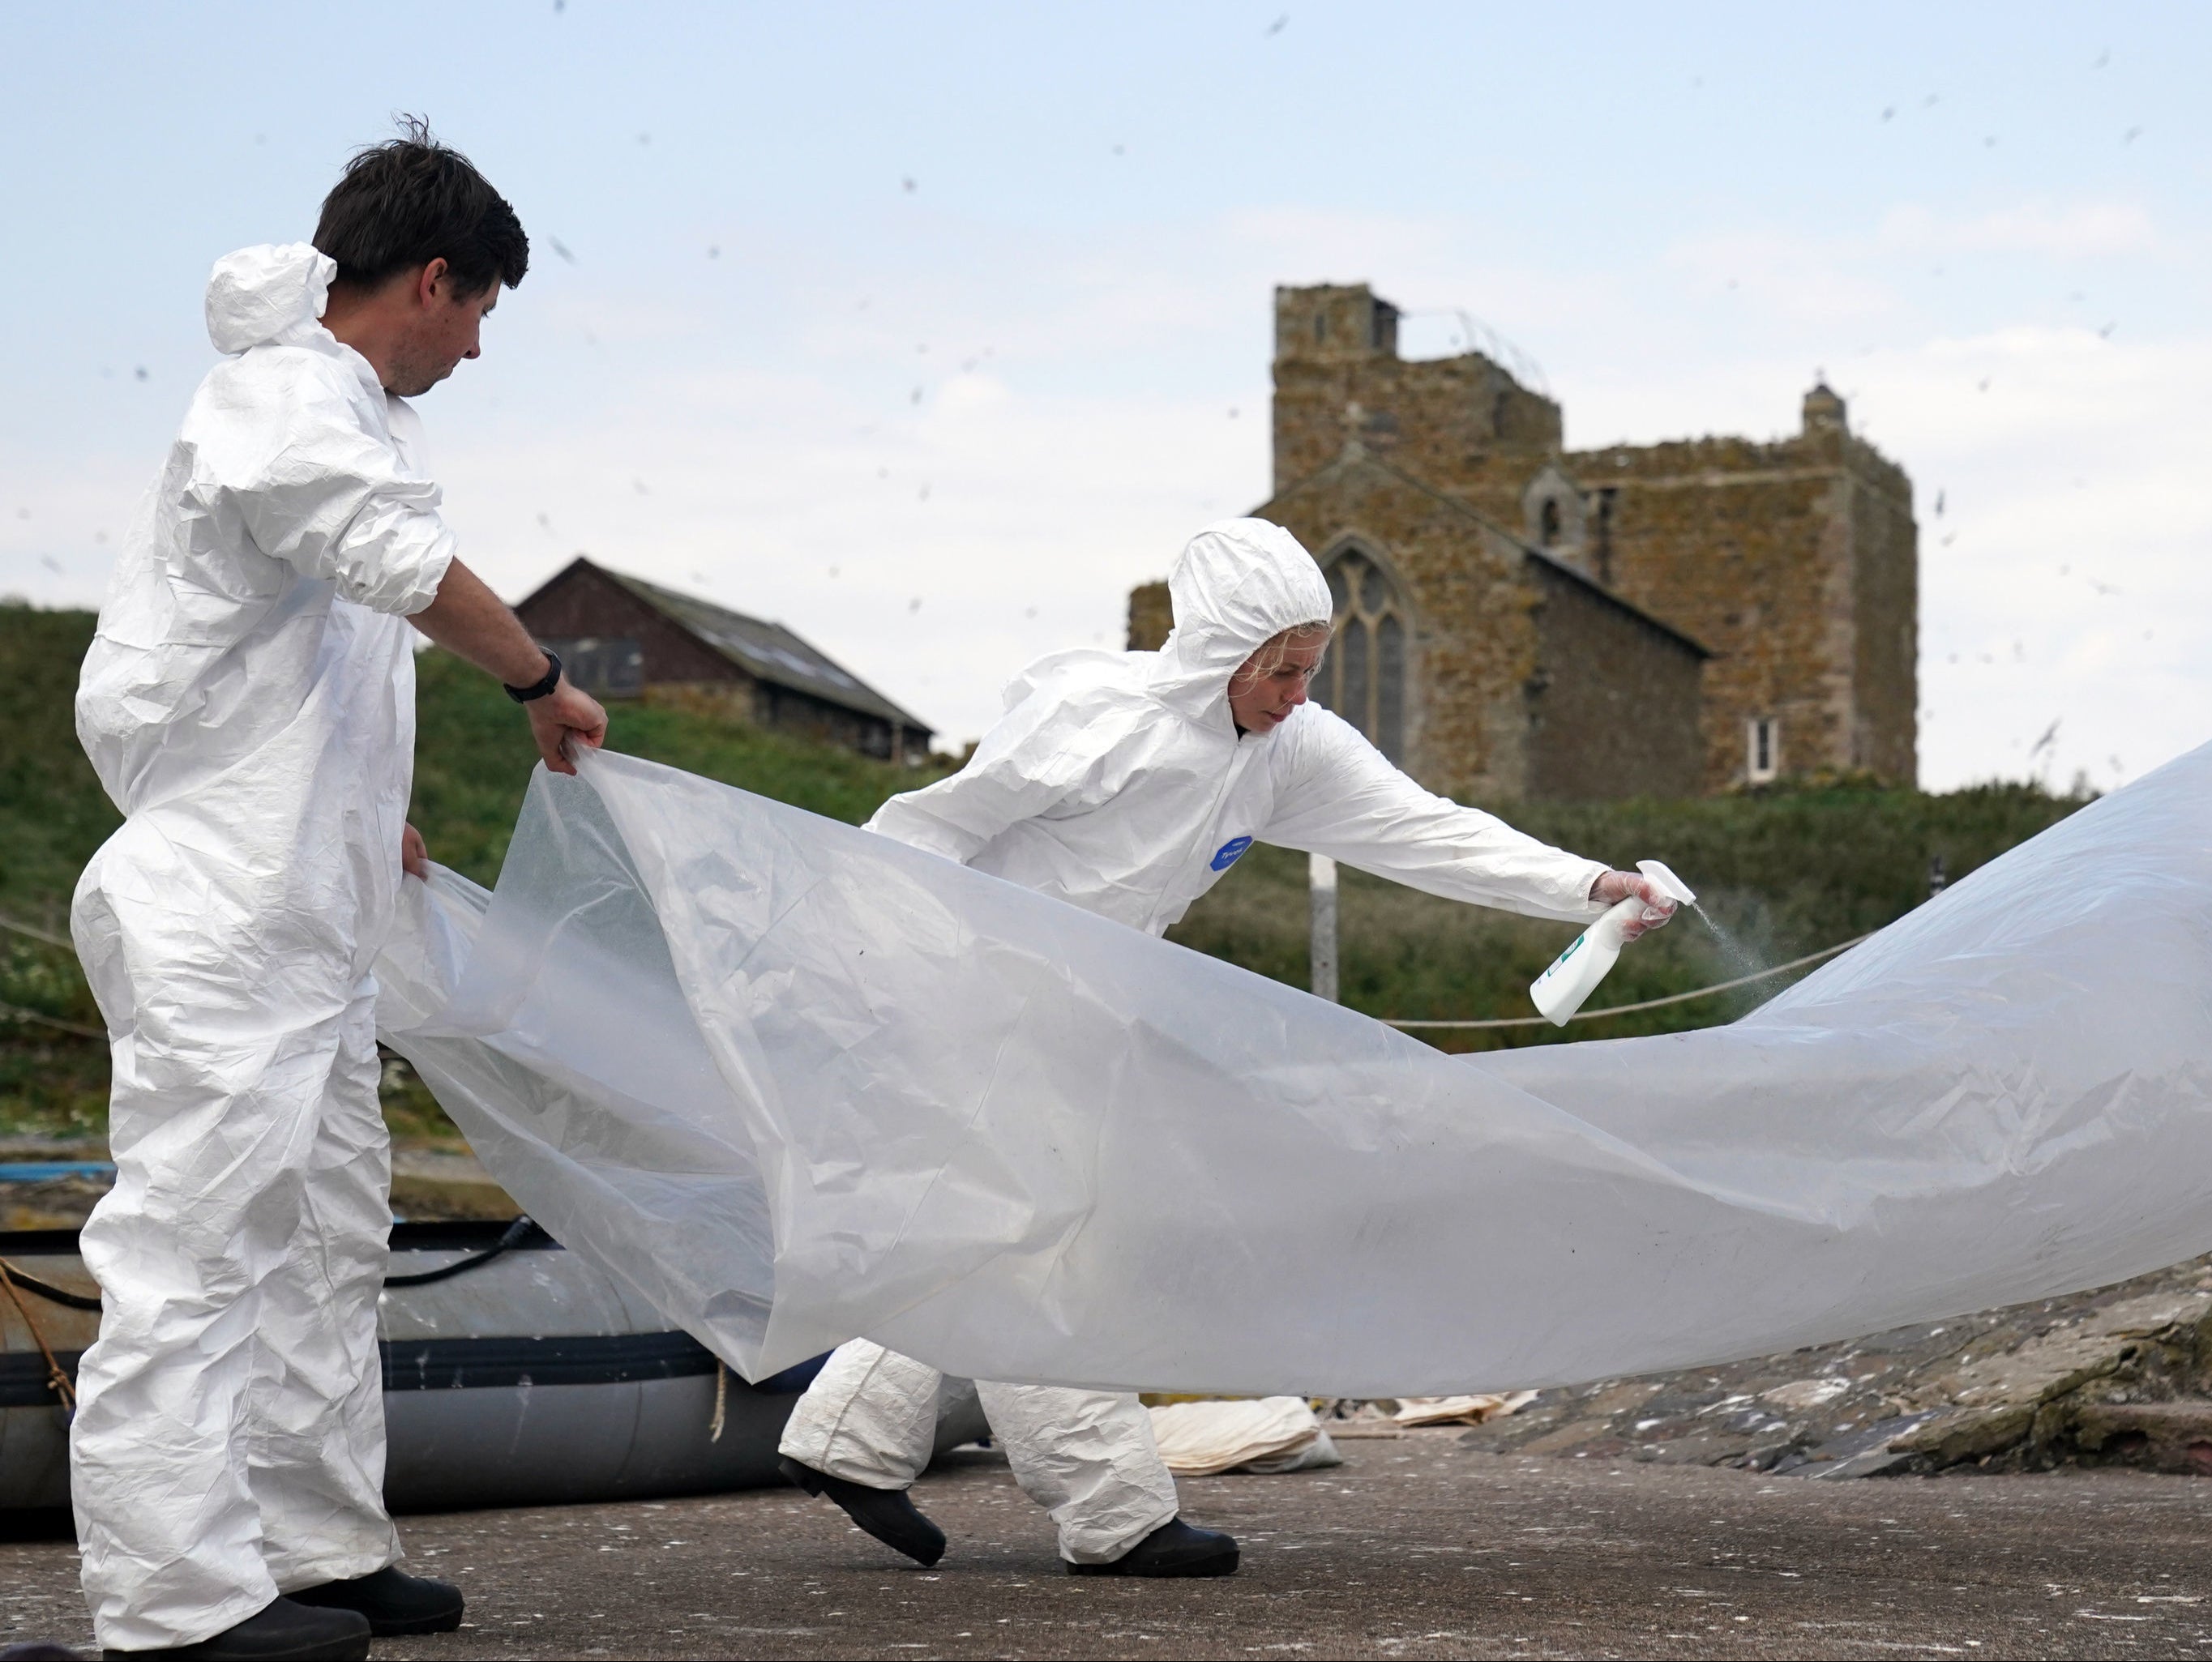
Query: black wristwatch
(539, 688)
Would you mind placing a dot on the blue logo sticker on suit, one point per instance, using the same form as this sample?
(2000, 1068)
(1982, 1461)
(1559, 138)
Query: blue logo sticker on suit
(1226, 855)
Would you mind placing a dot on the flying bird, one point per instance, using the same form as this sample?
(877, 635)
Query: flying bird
(560, 248)
(1276, 26)
(2049, 739)
(908, 184)
(1939, 504)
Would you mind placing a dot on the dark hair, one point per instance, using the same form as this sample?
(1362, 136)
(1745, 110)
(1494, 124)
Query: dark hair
(411, 200)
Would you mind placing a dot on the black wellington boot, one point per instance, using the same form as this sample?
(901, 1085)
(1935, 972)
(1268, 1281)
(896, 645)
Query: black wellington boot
(886, 1513)
(282, 1631)
(394, 1602)
(1174, 1549)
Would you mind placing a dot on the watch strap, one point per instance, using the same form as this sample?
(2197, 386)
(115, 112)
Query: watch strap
(539, 688)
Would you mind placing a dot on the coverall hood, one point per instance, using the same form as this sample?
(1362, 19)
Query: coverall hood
(268, 295)
(1237, 585)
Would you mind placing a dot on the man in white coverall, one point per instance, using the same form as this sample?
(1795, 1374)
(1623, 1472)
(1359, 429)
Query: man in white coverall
(1127, 784)
(249, 703)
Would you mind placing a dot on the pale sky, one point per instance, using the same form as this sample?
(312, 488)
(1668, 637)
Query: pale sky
(928, 331)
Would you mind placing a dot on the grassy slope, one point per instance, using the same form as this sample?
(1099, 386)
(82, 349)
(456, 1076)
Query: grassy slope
(1789, 872)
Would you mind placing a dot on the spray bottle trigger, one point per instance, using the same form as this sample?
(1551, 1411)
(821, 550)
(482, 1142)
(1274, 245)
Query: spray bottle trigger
(1666, 881)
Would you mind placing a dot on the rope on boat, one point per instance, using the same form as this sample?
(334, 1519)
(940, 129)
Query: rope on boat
(58, 1379)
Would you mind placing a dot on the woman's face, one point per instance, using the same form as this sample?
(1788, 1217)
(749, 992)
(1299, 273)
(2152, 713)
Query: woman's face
(1272, 682)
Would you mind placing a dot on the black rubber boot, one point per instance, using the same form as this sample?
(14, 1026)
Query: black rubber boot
(394, 1602)
(284, 1631)
(1174, 1549)
(886, 1513)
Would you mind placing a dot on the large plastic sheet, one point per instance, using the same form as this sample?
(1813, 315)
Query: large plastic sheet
(796, 1082)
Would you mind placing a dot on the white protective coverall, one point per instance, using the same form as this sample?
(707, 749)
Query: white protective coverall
(249, 703)
(1119, 782)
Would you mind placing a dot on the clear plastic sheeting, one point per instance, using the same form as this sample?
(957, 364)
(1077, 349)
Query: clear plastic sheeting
(796, 1082)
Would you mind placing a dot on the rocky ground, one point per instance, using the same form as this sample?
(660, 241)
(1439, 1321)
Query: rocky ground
(2119, 1376)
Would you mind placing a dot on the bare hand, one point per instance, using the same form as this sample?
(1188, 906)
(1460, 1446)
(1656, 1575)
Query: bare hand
(414, 854)
(1616, 886)
(561, 715)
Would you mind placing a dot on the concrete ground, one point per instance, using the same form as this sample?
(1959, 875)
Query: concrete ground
(1418, 1547)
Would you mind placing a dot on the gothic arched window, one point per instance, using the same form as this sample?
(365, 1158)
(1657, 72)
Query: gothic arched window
(1364, 677)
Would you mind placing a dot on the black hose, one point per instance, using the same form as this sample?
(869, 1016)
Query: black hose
(517, 1232)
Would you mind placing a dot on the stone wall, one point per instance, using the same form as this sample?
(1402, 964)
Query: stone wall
(1474, 646)
(1461, 423)
(1613, 704)
(1796, 562)
(1152, 614)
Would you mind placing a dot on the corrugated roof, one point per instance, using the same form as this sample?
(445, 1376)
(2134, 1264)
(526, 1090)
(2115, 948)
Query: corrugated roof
(768, 652)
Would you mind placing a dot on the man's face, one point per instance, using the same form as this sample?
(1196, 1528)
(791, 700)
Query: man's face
(441, 328)
(1273, 683)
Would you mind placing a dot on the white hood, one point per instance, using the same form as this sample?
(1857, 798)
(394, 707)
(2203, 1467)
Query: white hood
(269, 295)
(1237, 585)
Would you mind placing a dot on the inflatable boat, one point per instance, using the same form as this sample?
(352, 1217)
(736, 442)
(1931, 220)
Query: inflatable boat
(515, 1373)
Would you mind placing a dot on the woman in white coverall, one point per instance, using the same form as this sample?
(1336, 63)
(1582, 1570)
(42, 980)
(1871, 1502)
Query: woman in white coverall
(249, 703)
(1127, 784)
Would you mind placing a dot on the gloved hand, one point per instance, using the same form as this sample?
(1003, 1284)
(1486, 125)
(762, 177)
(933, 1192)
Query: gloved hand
(1616, 885)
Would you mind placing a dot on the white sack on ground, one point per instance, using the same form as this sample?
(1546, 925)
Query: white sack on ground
(1198, 1439)
(1472, 1409)
(798, 1083)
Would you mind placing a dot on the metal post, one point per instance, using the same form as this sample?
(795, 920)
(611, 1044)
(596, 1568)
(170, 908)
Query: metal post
(1320, 888)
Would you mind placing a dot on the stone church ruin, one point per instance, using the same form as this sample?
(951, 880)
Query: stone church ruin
(1518, 619)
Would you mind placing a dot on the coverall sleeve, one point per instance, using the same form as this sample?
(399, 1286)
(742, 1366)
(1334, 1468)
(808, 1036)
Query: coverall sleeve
(1340, 796)
(1044, 756)
(317, 488)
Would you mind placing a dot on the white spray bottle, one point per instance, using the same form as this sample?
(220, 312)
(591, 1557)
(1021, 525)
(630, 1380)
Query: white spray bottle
(1575, 973)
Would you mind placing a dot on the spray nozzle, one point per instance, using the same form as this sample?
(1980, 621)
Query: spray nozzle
(1666, 881)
